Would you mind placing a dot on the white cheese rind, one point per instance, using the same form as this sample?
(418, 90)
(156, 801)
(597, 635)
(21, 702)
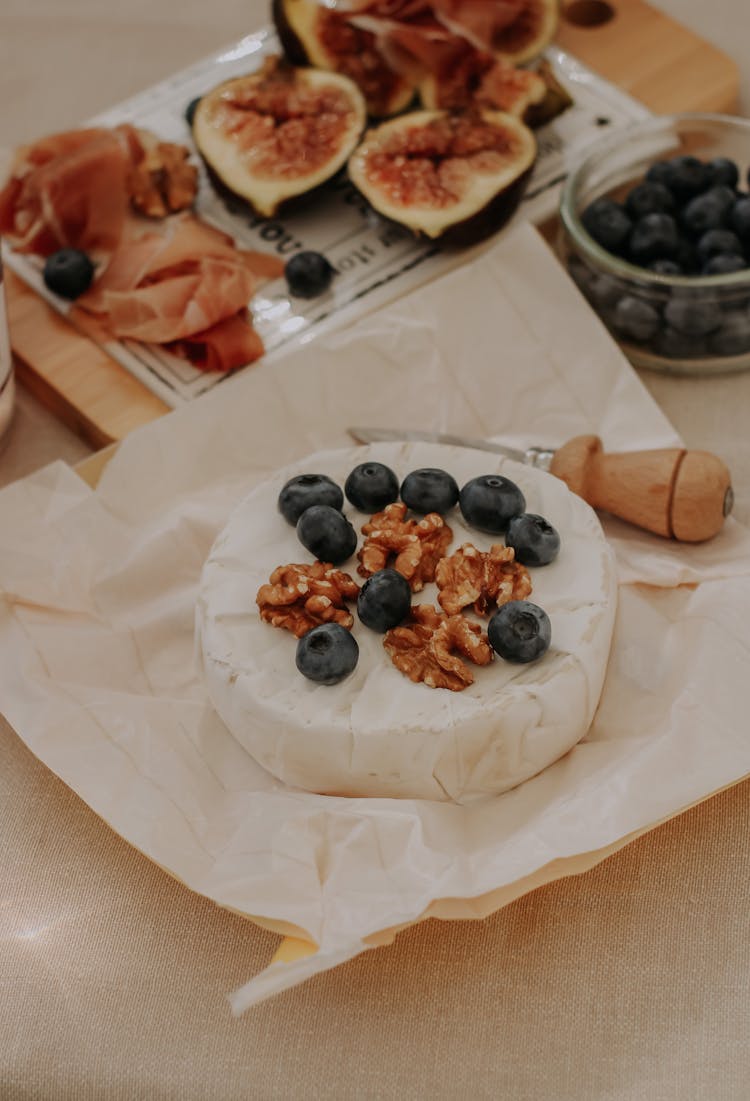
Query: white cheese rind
(377, 733)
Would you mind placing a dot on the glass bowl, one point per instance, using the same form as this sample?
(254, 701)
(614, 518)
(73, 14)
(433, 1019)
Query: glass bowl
(682, 324)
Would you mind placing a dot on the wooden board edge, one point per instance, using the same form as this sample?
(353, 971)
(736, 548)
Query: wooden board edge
(92, 468)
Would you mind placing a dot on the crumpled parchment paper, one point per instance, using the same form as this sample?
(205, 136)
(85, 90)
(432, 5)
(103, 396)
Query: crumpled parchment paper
(98, 673)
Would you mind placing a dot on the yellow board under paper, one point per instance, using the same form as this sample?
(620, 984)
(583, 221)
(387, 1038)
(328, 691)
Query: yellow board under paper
(292, 949)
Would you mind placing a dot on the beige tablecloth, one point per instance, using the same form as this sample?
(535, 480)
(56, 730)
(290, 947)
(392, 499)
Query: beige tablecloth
(629, 982)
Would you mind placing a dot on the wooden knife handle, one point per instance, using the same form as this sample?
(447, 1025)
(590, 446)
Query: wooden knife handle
(679, 494)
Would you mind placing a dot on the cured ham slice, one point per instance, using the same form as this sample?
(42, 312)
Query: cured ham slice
(68, 190)
(175, 281)
(417, 37)
(74, 190)
(178, 305)
(178, 286)
(230, 343)
(478, 21)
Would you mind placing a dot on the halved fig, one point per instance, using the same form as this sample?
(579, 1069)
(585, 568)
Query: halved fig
(277, 134)
(457, 176)
(556, 99)
(526, 36)
(474, 79)
(312, 34)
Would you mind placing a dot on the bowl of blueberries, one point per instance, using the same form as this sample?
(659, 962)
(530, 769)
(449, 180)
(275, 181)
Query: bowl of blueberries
(655, 230)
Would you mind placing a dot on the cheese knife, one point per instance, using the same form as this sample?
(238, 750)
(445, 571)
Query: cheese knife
(673, 492)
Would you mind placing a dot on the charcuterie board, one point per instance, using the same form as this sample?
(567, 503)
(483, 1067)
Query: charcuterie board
(633, 46)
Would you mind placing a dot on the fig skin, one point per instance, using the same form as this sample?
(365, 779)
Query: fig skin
(528, 51)
(294, 51)
(491, 218)
(557, 99)
(299, 54)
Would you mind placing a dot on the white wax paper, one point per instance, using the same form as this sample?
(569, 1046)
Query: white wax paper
(98, 672)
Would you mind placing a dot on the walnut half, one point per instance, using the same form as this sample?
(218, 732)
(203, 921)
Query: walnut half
(299, 597)
(424, 648)
(484, 579)
(413, 547)
(163, 181)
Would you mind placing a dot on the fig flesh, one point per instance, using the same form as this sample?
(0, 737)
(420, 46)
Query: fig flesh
(274, 135)
(312, 34)
(456, 176)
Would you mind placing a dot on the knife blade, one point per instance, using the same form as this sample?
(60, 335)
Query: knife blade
(532, 456)
(679, 494)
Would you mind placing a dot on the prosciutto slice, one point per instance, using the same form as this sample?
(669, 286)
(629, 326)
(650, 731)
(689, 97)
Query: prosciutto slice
(418, 37)
(68, 190)
(185, 285)
(174, 281)
(228, 344)
(479, 21)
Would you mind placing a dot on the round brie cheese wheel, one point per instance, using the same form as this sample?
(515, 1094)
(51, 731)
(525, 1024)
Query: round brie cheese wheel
(377, 733)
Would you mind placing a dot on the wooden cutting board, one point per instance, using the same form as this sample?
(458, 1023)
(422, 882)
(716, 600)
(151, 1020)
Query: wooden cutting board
(636, 47)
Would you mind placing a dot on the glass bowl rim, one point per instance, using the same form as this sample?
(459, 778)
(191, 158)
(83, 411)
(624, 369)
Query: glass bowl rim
(615, 265)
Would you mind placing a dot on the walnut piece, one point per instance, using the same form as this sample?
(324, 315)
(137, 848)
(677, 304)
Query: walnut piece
(413, 547)
(423, 648)
(484, 579)
(163, 181)
(299, 597)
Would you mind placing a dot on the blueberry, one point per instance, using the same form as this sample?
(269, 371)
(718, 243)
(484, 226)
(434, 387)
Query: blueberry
(733, 338)
(718, 241)
(607, 223)
(654, 237)
(68, 272)
(660, 172)
(308, 274)
(520, 631)
(739, 219)
(723, 171)
(327, 534)
(429, 490)
(534, 540)
(676, 345)
(687, 257)
(305, 490)
(190, 110)
(384, 600)
(605, 291)
(693, 316)
(724, 263)
(489, 501)
(635, 318)
(665, 267)
(687, 176)
(710, 210)
(725, 196)
(649, 198)
(327, 654)
(579, 273)
(371, 486)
